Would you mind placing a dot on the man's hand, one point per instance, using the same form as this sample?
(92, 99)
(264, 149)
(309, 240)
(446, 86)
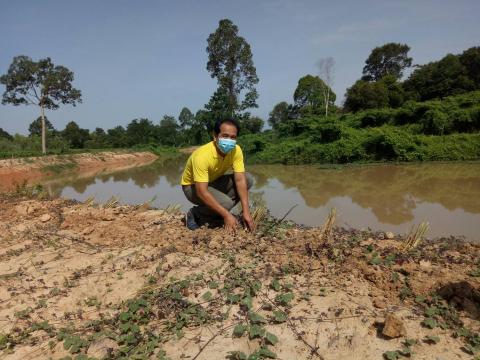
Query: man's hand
(247, 218)
(231, 223)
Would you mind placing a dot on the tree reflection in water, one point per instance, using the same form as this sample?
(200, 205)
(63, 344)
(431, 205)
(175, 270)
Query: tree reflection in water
(377, 195)
(392, 192)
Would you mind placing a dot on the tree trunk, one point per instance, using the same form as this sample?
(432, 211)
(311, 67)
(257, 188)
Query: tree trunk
(44, 145)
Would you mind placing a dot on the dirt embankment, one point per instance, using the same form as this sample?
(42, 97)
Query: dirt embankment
(188, 150)
(132, 282)
(34, 169)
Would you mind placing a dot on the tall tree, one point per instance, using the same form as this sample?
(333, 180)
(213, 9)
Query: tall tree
(309, 95)
(251, 124)
(326, 67)
(98, 139)
(388, 59)
(366, 95)
(117, 137)
(218, 107)
(35, 127)
(168, 131)
(75, 135)
(200, 132)
(186, 118)
(39, 83)
(470, 58)
(230, 62)
(438, 79)
(278, 115)
(140, 131)
(5, 135)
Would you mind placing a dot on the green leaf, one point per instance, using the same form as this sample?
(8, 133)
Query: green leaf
(279, 316)
(284, 299)
(419, 299)
(237, 355)
(255, 287)
(233, 298)
(431, 339)
(256, 318)
(247, 302)
(475, 272)
(430, 323)
(207, 296)
(375, 260)
(213, 285)
(409, 342)
(406, 351)
(431, 311)
(267, 306)
(390, 259)
(162, 355)
(265, 352)
(271, 338)
(443, 325)
(130, 339)
(239, 330)
(125, 327)
(256, 331)
(463, 332)
(275, 285)
(391, 355)
(125, 316)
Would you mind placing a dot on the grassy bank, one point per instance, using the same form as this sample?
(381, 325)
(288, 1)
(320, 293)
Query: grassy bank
(24, 147)
(361, 145)
(428, 131)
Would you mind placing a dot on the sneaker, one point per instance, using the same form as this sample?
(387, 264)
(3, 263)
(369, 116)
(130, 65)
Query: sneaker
(190, 220)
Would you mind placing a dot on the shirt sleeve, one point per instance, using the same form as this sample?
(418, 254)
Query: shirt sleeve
(200, 170)
(238, 165)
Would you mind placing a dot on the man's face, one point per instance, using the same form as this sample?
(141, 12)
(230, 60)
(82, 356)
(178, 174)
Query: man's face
(227, 131)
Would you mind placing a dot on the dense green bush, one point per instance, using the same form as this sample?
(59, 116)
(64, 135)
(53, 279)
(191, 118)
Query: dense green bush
(386, 143)
(417, 131)
(21, 146)
(455, 114)
(326, 132)
(435, 122)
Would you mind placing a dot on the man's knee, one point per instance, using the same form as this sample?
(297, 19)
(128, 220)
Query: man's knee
(227, 203)
(249, 180)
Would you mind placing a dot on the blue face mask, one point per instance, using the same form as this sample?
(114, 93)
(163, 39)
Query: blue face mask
(226, 145)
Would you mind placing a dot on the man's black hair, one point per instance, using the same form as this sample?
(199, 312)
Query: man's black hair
(218, 123)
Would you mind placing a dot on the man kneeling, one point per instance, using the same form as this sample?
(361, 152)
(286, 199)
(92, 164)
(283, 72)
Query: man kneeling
(205, 184)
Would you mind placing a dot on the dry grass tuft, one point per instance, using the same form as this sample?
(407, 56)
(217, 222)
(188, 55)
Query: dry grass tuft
(327, 227)
(415, 236)
(111, 203)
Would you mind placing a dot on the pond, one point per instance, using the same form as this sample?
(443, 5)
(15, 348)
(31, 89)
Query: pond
(388, 197)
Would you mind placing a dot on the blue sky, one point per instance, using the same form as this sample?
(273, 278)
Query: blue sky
(135, 59)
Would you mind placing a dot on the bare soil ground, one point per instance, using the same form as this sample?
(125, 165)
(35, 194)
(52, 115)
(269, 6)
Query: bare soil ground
(32, 170)
(89, 281)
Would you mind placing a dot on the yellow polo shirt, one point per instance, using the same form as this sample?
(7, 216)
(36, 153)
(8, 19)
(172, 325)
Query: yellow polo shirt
(206, 165)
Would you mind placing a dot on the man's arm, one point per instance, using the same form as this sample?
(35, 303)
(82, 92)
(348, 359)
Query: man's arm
(207, 198)
(241, 185)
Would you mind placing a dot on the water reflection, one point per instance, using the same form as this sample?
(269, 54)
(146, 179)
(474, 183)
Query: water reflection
(389, 197)
(143, 177)
(392, 192)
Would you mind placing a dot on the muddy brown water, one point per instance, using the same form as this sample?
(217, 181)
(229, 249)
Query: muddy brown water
(388, 197)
